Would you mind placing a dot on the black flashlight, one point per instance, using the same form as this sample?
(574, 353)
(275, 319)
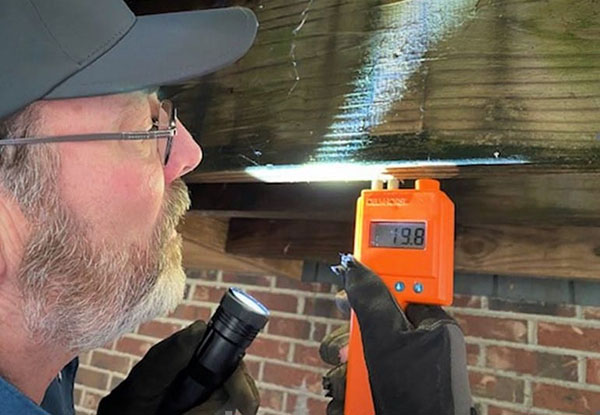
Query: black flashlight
(229, 332)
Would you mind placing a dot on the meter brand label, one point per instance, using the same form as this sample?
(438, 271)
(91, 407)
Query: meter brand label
(387, 201)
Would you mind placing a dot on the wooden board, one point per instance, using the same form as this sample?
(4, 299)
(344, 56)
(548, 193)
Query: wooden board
(559, 251)
(544, 225)
(539, 200)
(316, 240)
(504, 93)
(551, 251)
(369, 80)
(204, 247)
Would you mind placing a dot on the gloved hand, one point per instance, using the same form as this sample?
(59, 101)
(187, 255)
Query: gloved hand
(148, 382)
(416, 359)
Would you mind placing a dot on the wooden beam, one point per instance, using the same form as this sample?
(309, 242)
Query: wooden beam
(559, 251)
(367, 81)
(326, 201)
(553, 199)
(204, 247)
(294, 174)
(551, 251)
(292, 239)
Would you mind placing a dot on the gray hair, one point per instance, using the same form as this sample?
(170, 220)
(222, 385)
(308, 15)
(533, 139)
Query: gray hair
(26, 171)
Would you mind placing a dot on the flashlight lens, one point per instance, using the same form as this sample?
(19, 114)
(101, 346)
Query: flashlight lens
(250, 302)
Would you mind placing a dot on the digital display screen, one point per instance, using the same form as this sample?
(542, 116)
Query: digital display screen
(398, 235)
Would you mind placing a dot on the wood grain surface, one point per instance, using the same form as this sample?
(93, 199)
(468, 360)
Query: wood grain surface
(536, 200)
(371, 80)
(540, 251)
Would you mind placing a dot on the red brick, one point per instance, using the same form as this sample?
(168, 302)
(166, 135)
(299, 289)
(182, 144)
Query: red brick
(277, 302)
(593, 371)
(299, 329)
(319, 331)
(132, 346)
(592, 313)
(525, 307)
(473, 354)
(202, 274)
(90, 400)
(292, 377)
(292, 284)
(208, 294)
(569, 336)
(253, 367)
(466, 301)
(92, 378)
(539, 364)
(493, 328)
(271, 399)
(322, 307)
(570, 400)
(309, 355)
(191, 312)
(495, 410)
(501, 388)
(301, 404)
(259, 280)
(273, 349)
(114, 363)
(158, 329)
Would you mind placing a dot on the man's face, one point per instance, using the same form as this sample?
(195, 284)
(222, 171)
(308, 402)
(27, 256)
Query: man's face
(103, 254)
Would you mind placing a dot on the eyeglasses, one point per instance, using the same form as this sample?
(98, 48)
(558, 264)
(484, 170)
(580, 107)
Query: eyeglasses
(163, 130)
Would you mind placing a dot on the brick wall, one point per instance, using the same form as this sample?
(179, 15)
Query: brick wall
(524, 358)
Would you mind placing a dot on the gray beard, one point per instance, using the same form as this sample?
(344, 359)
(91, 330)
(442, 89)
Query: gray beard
(79, 293)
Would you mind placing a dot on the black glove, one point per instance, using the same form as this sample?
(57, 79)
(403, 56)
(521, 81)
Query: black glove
(416, 360)
(148, 382)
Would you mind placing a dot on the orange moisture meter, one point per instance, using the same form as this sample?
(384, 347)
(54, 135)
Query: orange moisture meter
(406, 236)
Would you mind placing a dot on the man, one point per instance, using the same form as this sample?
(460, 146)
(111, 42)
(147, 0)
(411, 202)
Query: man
(90, 168)
(90, 195)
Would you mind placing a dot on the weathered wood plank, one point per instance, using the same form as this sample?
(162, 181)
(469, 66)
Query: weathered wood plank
(560, 251)
(551, 251)
(335, 80)
(332, 202)
(204, 247)
(405, 171)
(553, 199)
(317, 240)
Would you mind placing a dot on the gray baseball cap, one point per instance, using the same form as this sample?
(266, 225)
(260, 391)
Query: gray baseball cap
(74, 48)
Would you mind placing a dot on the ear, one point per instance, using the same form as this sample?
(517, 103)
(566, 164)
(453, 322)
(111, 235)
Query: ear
(14, 232)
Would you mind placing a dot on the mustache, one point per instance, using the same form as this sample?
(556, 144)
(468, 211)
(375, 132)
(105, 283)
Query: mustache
(177, 203)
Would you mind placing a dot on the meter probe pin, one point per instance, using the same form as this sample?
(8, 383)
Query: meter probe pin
(393, 184)
(377, 184)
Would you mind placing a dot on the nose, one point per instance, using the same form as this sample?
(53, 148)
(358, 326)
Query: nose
(185, 156)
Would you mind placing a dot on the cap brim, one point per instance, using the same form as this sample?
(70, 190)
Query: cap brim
(165, 49)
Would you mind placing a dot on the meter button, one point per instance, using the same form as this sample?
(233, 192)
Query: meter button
(399, 286)
(418, 287)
